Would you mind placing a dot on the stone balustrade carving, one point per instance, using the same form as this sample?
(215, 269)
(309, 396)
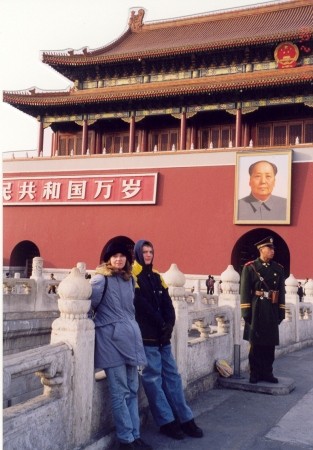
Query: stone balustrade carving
(37, 268)
(209, 299)
(223, 324)
(48, 362)
(203, 327)
(230, 281)
(17, 286)
(174, 277)
(291, 285)
(305, 312)
(74, 292)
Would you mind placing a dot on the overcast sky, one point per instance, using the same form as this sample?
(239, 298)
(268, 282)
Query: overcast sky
(30, 26)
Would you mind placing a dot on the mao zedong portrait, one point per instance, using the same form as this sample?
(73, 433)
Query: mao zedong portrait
(260, 204)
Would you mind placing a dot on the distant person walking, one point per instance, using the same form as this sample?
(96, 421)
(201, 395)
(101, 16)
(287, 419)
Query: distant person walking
(52, 288)
(210, 285)
(300, 292)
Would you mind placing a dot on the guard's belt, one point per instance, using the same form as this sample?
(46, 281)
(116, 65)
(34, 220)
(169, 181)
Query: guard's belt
(272, 296)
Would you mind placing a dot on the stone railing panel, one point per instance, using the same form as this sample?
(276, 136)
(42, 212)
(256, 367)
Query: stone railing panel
(21, 422)
(47, 361)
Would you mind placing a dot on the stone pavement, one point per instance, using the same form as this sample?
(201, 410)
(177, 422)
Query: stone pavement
(265, 417)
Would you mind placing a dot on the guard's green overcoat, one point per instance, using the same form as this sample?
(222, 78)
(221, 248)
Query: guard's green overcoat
(261, 316)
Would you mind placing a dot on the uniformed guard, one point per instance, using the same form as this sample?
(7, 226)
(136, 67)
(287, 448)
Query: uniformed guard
(262, 296)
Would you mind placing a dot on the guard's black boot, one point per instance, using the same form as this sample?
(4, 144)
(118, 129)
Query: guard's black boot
(253, 378)
(172, 430)
(192, 429)
(270, 378)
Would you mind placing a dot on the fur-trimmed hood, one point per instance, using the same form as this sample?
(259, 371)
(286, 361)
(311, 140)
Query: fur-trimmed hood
(107, 270)
(103, 269)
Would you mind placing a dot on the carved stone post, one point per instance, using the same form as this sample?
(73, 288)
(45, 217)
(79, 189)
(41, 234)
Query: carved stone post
(230, 297)
(292, 297)
(175, 280)
(74, 328)
(37, 268)
(81, 266)
(309, 291)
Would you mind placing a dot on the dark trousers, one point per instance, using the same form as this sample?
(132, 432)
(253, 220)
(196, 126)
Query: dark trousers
(261, 359)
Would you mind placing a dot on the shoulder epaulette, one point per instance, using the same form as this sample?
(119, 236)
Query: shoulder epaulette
(249, 263)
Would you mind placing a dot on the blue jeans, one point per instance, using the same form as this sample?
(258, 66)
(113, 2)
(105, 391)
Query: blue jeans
(163, 387)
(123, 386)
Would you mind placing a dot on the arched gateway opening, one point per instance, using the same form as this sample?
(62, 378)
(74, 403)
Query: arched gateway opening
(245, 250)
(22, 257)
(121, 240)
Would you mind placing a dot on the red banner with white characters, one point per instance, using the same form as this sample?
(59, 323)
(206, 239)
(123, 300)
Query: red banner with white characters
(81, 190)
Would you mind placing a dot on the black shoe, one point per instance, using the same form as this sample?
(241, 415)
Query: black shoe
(192, 429)
(172, 430)
(270, 379)
(127, 446)
(253, 379)
(140, 444)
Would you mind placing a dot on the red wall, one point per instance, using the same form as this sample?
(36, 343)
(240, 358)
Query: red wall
(191, 224)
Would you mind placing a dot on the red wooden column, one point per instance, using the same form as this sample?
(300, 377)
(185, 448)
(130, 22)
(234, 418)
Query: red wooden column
(193, 137)
(97, 137)
(40, 137)
(131, 145)
(53, 144)
(246, 135)
(183, 130)
(238, 126)
(85, 137)
(144, 141)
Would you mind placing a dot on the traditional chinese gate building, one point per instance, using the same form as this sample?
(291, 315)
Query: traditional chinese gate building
(145, 142)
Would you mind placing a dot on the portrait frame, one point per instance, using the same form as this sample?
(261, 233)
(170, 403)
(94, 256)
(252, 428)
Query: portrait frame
(244, 211)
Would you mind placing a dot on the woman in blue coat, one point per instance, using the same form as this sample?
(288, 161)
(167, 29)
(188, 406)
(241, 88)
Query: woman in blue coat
(118, 345)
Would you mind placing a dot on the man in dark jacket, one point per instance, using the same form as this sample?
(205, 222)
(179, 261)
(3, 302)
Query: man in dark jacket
(262, 295)
(155, 315)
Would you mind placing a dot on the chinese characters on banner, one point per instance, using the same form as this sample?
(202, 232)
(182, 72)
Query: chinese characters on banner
(86, 189)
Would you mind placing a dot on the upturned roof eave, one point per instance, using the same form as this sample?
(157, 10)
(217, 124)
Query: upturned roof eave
(159, 90)
(100, 55)
(85, 60)
(46, 55)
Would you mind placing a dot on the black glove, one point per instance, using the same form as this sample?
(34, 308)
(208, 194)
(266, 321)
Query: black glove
(166, 333)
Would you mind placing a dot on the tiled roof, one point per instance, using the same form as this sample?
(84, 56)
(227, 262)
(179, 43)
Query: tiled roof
(210, 84)
(273, 22)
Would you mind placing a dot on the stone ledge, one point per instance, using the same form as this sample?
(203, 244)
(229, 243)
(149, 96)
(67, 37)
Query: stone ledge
(283, 387)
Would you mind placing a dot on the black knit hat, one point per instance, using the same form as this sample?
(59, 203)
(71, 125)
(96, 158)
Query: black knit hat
(117, 247)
